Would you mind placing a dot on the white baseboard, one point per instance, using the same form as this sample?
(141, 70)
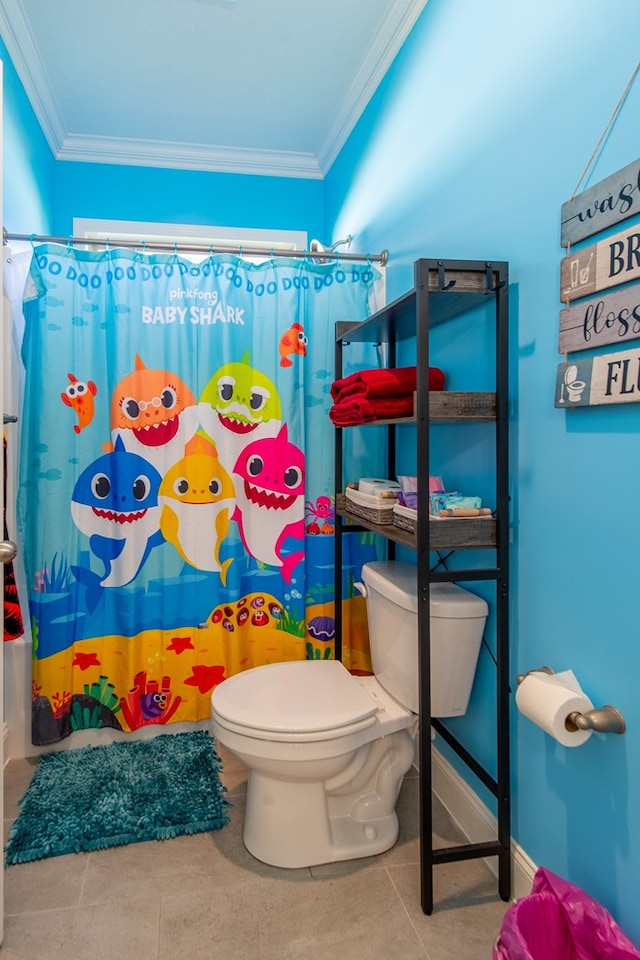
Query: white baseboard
(476, 821)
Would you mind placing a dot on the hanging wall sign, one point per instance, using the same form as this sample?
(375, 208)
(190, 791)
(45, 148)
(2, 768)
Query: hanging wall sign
(606, 263)
(612, 318)
(593, 381)
(609, 202)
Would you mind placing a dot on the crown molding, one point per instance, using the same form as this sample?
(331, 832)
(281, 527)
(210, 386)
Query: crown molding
(395, 29)
(188, 156)
(15, 32)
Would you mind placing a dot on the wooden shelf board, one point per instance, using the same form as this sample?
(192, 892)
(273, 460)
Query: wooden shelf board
(461, 533)
(447, 406)
(397, 320)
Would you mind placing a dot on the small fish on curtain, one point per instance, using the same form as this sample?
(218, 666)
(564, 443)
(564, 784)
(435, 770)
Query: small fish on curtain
(176, 478)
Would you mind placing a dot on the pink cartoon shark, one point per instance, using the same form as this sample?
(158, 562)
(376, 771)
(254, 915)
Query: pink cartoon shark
(270, 500)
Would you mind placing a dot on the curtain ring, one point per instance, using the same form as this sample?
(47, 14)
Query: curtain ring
(32, 238)
(68, 244)
(175, 250)
(240, 251)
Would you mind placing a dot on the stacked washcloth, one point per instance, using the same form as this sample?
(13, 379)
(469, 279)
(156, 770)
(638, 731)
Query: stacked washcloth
(377, 394)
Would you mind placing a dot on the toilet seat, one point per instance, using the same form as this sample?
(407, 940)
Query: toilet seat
(274, 737)
(296, 701)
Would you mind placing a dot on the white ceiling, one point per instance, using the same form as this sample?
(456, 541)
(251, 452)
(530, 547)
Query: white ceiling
(248, 86)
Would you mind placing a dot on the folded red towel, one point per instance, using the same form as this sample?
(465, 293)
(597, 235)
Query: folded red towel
(362, 410)
(371, 383)
(394, 382)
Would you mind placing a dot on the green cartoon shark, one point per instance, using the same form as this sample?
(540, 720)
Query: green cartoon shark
(238, 406)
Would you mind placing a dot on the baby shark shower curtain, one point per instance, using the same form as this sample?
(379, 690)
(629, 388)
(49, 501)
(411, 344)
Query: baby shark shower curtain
(176, 480)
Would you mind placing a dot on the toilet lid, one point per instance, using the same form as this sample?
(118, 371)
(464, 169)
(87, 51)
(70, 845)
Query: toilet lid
(296, 697)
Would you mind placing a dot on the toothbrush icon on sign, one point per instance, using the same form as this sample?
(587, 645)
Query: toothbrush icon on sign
(578, 275)
(584, 272)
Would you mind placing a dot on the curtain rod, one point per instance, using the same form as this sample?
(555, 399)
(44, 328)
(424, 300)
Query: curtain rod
(239, 249)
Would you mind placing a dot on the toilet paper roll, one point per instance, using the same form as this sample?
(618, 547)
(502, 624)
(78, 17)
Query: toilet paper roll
(547, 700)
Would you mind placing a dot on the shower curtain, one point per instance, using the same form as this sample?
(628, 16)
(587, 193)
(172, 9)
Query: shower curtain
(175, 502)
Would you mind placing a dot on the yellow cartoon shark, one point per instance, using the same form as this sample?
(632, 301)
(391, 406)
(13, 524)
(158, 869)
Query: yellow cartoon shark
(197, 500)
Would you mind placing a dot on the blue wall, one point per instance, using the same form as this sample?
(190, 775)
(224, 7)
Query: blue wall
(479, 133)
(117, 192)
(28, 165)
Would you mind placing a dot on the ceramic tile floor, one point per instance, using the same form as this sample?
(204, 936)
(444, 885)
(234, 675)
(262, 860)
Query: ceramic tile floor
(203, 897)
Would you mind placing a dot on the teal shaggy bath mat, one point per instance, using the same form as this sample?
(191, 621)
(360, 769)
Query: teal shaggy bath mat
(97, 797)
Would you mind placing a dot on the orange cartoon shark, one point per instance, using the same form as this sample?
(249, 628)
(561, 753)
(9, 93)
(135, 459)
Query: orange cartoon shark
(155, 414)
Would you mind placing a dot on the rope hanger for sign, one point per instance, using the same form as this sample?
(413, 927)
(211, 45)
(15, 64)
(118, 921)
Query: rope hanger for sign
(608, 127)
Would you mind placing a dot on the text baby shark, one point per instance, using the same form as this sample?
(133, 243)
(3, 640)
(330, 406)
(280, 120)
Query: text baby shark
(196, 315)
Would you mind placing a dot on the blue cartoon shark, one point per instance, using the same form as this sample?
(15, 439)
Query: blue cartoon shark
(115, 503)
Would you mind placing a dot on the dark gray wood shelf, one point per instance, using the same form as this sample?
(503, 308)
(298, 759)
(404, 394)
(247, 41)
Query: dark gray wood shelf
(453, 290)
(443, 291)
(448, 406)
(461, 533)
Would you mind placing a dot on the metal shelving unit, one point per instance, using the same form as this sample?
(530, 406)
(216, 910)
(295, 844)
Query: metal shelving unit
(444, 290)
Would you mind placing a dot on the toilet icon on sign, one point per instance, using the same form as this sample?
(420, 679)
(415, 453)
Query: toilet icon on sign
(570, 387)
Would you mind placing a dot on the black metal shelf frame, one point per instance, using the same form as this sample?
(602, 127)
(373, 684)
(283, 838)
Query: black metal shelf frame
(443, 290)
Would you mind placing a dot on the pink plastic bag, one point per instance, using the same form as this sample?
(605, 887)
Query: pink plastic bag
(559, 921)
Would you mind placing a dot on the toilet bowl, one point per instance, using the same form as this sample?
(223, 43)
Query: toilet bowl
(326, 754)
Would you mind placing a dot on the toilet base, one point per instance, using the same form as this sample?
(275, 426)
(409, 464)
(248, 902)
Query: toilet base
(302, 824)
(288, 842)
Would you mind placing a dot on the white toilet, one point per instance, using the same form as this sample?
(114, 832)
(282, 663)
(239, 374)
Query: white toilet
(326, 751)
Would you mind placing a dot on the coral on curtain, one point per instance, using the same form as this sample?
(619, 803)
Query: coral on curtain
(175, 500)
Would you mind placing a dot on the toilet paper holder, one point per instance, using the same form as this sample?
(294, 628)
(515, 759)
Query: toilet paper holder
(605, 719)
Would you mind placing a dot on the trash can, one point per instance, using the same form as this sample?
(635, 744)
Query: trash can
(559, 921)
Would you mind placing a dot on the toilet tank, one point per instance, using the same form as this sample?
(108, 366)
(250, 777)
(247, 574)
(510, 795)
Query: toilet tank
(457, 624)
